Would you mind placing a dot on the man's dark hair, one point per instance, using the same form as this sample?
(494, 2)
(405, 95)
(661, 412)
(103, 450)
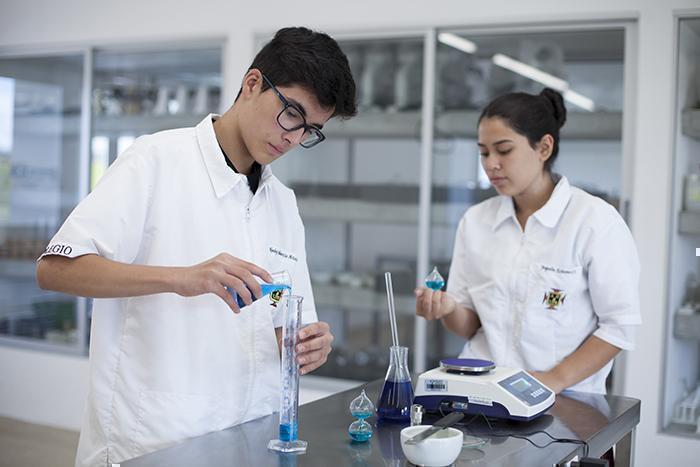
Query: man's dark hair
(312, 60)
(532, 116)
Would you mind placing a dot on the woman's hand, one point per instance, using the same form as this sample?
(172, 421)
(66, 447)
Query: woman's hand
(433, 305)
(549, 379)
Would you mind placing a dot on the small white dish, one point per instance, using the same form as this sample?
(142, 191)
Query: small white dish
(439, 450)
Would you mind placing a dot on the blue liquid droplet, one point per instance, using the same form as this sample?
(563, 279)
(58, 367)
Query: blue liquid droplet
(360, 436)
(435, 285)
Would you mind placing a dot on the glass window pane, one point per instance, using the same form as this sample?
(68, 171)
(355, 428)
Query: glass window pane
(358, 197)
(137, 92)
(40, 108)
(681, 394)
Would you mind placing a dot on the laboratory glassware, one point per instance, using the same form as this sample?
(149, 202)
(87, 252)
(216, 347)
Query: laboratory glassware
(434, 280)
(281, 281)
(397, 393)
(416, 414)
(361, 408)
(289, 402)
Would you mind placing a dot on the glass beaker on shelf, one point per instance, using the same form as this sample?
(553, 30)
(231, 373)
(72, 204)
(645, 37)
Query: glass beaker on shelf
(397, 394)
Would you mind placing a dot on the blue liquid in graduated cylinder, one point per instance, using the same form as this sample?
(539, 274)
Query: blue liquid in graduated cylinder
(395, 401)
(288, 432)
(267, 289)
(435, 285)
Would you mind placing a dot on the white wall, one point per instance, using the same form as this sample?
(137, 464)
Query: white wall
(38, 387)
(50, 23)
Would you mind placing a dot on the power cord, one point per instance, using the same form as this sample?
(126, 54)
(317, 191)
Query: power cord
(585, 461)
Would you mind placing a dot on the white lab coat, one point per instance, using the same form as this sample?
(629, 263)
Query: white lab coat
(539, 293)
(163, 367)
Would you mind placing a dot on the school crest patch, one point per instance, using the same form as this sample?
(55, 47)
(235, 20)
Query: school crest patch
(554, 298)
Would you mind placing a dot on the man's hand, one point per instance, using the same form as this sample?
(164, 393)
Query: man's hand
(314, 346)
(217, 273)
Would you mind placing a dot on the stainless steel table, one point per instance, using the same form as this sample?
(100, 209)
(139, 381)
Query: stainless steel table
(601, 421)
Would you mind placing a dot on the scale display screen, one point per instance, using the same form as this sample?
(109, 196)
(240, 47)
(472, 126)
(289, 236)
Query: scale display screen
(520, 384)
(525, 388)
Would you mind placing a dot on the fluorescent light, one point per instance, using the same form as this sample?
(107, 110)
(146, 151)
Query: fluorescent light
(579, 100)
(531, 72)
(457, 42)
(548, 80)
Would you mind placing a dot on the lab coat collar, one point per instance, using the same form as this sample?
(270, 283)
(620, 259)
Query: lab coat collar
(506, 210)
(551, 212)
(223, 179)
(548, 215)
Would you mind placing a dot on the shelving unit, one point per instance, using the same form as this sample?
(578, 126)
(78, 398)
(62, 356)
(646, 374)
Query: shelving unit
(689, 222)
(359, 298)
(462, 124)
(690, 123)
(686, 326)
(144, 123)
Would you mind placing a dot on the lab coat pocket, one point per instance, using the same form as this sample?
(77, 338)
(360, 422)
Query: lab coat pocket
(548, 309)
(165, 418)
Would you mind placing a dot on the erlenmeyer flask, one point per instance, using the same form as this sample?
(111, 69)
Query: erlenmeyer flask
(397, 394)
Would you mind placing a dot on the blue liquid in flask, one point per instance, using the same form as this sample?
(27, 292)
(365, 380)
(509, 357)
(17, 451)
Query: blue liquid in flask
(395, 401)
(434, 280)
(360, 432)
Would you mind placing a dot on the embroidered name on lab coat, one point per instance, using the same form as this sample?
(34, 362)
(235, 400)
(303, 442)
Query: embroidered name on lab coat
(278, 252)
(558, 270)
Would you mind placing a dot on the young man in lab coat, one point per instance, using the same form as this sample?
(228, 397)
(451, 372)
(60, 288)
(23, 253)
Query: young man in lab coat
(182, 217)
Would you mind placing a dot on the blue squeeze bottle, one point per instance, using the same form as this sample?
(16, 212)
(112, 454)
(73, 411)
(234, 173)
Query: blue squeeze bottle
(281, 281)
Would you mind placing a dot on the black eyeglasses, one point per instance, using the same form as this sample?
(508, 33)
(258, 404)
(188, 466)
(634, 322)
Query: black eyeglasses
(290, 118)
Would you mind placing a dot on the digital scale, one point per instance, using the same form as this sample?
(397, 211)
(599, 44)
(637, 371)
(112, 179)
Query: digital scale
(476, 386)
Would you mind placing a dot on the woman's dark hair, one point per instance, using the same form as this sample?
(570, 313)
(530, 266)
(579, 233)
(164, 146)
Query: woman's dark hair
(312, 60)
(532, 116)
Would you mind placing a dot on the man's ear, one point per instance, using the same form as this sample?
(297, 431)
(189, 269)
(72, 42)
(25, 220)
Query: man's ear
(252, 83)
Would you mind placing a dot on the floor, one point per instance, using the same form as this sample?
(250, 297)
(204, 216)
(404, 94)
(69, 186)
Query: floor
(28, 445)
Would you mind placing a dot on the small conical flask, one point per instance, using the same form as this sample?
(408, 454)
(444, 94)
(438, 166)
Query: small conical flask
(361, 408)
(397, 394)
(434, 280)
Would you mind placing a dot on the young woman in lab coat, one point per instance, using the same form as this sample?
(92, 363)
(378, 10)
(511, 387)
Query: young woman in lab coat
(544, 276)
(181, 218)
